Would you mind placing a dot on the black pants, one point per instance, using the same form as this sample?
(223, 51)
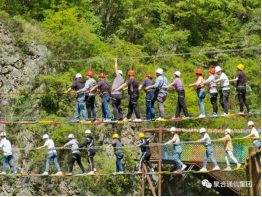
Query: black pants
(90, 106)
(133, 106)
(116, 105)
(145, 156)
(213, 100)
(241, 93)
(181, 104)
(224, 94)
(76, 157)
(90, 160)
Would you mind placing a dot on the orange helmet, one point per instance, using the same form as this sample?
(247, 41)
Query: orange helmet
(150, 75)
(90, 73)
(199, 71)
(212, 70)
(131, 72)
(102, 75)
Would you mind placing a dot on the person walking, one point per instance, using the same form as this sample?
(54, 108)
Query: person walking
(254, 134)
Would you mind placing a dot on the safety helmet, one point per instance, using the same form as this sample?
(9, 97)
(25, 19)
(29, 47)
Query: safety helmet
(212, 70)
(177, 73)
(228, 130)
(159, 71)
(87, 131)
(250, 123)
(45, 136)
(115, 136)
(172, 129)
(140, 135)
(199, 71)
(240, 66)
(90, 73)
(120, 72)
(218, 68)
(78, 75)
(102, 75)
(3, 134)
(202, 130)
(131, 72)
(150, 75)
(71, 136)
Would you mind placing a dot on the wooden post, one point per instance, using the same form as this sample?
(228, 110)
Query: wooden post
(149, 181)
(252, 167)
(143, 182)
(160, 162)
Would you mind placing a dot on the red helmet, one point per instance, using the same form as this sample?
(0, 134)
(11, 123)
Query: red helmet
(199, 71)
(102, 75)
(212, 70)
(150, 75)
(131, 72)
(90, 73)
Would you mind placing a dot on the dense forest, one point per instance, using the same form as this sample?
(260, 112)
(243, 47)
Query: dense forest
(82, 35)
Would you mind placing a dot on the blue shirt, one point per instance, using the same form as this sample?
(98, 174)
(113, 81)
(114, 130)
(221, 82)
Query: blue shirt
(161, 81)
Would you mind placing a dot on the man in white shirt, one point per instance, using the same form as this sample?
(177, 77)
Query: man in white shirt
(52, 154)
(5, 145)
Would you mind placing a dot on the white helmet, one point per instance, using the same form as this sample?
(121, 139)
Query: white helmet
(71, 136)
(3, 134)
(177, 73)
(228, 130)
(202, 130)
(250, 123)
(159, 71)
(120, 72)
(172, 129)
(78, 75)
(87, 132)
(218, 68)
(45, 136)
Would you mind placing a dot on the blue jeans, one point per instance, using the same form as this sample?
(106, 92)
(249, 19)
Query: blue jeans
(201, 95)
(119, 167)
(209, 153)
(150, 109)
(105, 108)
(80, 107)
(8, 158)
(177, 157)
(258, 144)
(49, 158)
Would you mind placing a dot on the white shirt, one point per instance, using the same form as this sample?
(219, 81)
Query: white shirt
(50, 146)
(206, 139)
(6, 146)
(224, 82)
(255, 134)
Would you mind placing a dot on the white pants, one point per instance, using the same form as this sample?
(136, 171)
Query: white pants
(229, 154)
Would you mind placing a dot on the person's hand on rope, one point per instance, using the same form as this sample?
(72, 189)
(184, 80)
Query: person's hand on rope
(62, 147)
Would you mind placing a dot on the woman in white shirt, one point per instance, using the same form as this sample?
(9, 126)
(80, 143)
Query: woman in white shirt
(254, 134)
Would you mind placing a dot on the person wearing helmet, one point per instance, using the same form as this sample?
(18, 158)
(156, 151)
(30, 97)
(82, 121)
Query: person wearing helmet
(146, 153)
(209, 150)
(229, 149)
(178, 86)
(52, 154)
(89, 144)
(254, 134)
(77, 85)
(76, 155)
(160, 92)
(89, 96)
(201, 93)
(225, 89)
(6, 146)
(176, 143)
(241, 81)
(117, 96)
(133, 92)
(117, 144)
(150, 97)
(213, 92)
(104, 89)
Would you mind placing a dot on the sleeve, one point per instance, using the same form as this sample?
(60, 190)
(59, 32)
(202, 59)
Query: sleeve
(1, 144)
(210, 79)
(84, 144)
(172, 140)
(46, 143)
(238, 75)
(87, 86)
(73, 85)
(203, 139)
(223, 77)
(68, 144)
(157, 82)
(143, 142)
(114, 142)
(99, 84)
(253, 132)
(129, 81)
(167, 82)
(143, 83)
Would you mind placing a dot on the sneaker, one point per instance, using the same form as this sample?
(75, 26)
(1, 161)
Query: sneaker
(138, 172)
(203, 170)
(250, 112)
(224, 115)
(137, 120)
(216, 168)
(69, 174)
(126, 119)
(114, 172)
(84, 121)
(238, 165)
(160, 118)
(94, 170)
(114, 121)
(201, 116)
(178, 171)
(91, 172)
(3, 173)
(120, 173)
(183, 167)
(45, 173)
(107, 120)
(15, 172)
(175, 117)
(228, 168)
(75, 120)
(240, 112)
(153, 119)
(185, 117)
(59, 173)
(213, 115)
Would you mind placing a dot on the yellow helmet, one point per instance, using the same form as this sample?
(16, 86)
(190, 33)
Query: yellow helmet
(115, 136)
(140, 135)
(240, 66)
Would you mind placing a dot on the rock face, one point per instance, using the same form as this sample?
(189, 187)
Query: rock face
(17, 69)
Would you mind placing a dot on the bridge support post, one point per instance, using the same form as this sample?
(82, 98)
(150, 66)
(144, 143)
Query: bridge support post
(160, 162)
